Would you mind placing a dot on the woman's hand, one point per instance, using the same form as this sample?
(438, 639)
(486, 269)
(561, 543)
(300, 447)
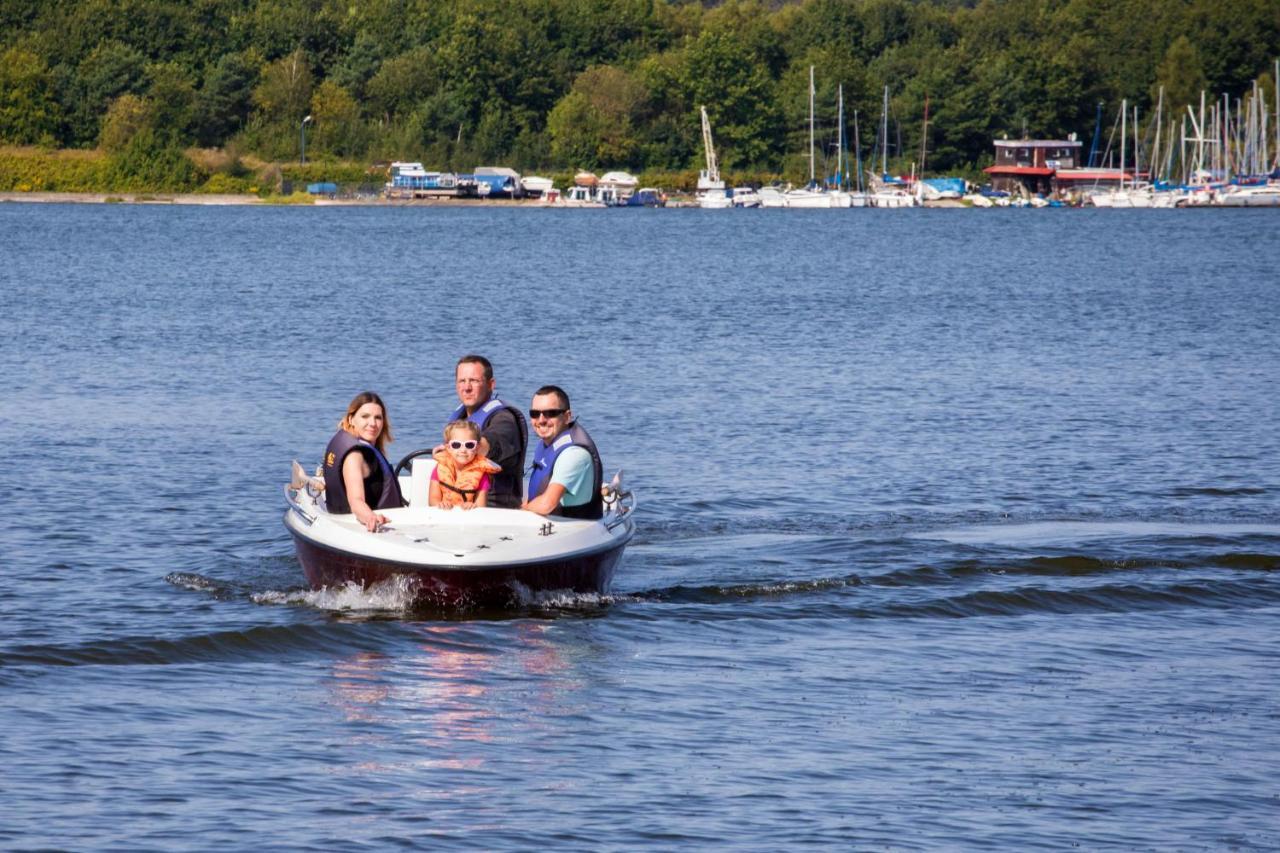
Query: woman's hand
(372, 521)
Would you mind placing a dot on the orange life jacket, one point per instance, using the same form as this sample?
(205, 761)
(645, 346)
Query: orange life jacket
(459, 485)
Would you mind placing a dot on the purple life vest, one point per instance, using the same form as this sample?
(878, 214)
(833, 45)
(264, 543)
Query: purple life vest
(506, 489)
(381, 490)
(544, 462)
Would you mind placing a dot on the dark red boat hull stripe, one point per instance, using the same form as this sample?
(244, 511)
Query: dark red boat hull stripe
(460, 586)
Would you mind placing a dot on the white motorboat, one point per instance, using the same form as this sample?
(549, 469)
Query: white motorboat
(1263, 195)
(451, 558)
(809, 197)
(772, 196)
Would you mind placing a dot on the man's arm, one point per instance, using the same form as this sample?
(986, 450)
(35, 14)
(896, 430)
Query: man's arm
(503, 434)
(547, 502)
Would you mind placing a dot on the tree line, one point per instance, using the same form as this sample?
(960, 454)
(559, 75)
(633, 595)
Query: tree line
(561, 84)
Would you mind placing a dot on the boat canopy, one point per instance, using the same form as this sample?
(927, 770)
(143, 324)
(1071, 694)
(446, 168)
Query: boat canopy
(945, 187)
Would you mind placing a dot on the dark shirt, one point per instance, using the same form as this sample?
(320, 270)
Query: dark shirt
(507, 441)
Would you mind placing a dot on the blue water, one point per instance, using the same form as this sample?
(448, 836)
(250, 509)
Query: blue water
(956, 529)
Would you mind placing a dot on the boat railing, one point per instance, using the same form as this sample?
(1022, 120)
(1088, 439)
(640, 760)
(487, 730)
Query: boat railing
(299, 484)
(619, 502)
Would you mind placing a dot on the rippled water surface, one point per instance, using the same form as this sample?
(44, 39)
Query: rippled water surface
(956, 529)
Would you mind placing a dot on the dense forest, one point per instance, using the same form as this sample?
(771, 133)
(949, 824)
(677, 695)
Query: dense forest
(559, 84)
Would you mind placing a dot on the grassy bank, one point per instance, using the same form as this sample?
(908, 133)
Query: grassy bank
(138, 169)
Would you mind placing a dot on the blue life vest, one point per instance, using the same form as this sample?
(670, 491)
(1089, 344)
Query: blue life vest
(507, 488)
(544, 462)
(381, 490)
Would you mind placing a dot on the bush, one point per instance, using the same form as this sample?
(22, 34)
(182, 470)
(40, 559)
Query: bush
(152, 163)
(31, 170)
(221, 183)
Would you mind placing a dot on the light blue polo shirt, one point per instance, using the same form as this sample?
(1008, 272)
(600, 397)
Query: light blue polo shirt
(575, 472)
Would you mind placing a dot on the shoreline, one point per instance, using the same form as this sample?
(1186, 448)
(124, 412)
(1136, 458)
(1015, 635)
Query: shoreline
(226, 199)
(316, 201)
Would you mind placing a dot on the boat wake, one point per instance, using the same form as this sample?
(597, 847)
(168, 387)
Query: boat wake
(395, 595)
(400, 596)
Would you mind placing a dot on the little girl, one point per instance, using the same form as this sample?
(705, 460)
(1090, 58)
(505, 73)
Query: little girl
(461, 477)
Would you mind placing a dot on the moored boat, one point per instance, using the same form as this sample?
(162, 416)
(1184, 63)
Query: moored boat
(457, 558)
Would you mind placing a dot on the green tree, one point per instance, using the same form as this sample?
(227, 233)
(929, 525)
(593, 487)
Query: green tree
(110, 70)
(28, 111)
(577, 129)
(226, 98)
(338, 128)
(283, 92)
(1181, 74)
(403, 82)
(172, 94)
(127, 116)
(720, 74)
(594, 124)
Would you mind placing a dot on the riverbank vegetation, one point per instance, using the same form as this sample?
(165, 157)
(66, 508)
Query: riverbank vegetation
(153, 86)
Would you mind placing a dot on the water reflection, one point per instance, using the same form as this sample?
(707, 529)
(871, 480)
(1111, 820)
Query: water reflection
(459, 683)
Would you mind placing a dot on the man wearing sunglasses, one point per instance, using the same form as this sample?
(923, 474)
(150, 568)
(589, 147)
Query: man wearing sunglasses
(567, 473)
(501, 425)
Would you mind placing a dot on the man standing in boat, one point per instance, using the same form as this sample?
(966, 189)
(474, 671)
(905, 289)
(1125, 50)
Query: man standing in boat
(501, 425)
(567, 473)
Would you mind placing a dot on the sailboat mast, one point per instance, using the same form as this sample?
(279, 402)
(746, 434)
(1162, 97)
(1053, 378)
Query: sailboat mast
(840, 138)
(857, 149)
(811, 125)
(1155, 153)
(1124, 130)
(924, 136)
(1137, 148)
(884, 130)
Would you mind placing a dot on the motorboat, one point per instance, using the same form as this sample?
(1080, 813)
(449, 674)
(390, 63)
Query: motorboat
(745, 197)
(455, 558)
(1263, 195)
(773, 196)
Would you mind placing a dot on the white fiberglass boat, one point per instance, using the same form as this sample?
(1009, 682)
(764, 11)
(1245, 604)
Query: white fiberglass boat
(454, 558)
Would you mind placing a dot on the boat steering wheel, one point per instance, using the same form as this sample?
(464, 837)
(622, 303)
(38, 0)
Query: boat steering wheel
(404, 463)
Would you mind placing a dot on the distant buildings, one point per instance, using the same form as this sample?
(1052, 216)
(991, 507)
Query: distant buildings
(1032, 165)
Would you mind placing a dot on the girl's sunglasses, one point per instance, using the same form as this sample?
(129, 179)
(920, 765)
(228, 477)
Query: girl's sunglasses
(469, 445)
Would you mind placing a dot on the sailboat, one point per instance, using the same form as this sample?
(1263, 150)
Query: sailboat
(813, 195)
(711, 191)
(885, 194)
(840, 195)
(857, 198)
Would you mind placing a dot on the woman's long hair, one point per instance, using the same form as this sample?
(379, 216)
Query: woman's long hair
(384, 437)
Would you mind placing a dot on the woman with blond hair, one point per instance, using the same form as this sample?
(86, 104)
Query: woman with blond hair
(357, 476)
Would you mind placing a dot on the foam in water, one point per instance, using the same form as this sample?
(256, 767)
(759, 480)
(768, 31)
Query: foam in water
(561, 599)
(394, 594)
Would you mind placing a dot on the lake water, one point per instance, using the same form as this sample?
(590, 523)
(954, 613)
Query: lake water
(956, 529)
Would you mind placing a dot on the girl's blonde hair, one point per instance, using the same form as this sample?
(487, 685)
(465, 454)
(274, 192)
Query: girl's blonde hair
(466, 426)
(384, 438)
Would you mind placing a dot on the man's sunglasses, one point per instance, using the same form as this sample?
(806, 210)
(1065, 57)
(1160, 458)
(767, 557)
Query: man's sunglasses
(534, 414)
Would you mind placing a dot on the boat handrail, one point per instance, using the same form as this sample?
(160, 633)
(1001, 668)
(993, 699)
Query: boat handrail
(618, 502)
(296, 485)
(295, 506)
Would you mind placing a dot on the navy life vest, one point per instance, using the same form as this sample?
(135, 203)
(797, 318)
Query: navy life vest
(381, 490)
(507, 488)
(544, 462)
